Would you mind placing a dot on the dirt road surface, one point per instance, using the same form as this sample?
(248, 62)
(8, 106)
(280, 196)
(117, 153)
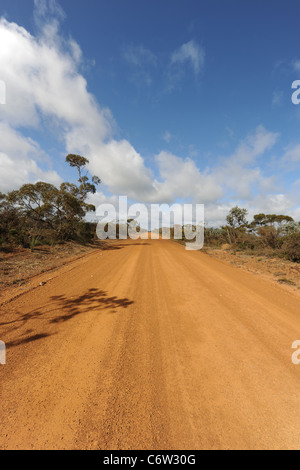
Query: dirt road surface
(148, 346)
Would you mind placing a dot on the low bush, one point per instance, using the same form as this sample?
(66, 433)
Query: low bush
(291, 247)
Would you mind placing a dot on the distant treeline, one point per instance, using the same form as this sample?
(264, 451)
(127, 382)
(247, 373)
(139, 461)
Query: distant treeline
(40, 213)
(268, 234)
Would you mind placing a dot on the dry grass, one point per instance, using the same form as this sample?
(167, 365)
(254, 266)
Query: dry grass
(18, 267)
(280, 270)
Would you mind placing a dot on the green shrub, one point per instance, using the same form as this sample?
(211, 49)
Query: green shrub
(291, 247)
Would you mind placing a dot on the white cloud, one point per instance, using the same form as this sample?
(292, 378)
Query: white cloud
(138, 55)
(292, 155)
(167, 137)
(238, 176)
(182, 179)
(45, 8)
(239, 173)
(41, 78)
(277, 98)
(296, 65)
(142, 61)
(45, 90)
(18, 160)
(190, 52)
(122, 169)
(255, 145)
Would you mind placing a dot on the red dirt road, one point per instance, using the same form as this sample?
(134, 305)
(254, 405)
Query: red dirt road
(148, 346)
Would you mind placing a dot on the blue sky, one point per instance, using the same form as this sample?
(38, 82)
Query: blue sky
(170, 100)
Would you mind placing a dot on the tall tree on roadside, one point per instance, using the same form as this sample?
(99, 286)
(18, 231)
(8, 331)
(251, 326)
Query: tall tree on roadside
(271, 228)
(236, 219)
(56, 213)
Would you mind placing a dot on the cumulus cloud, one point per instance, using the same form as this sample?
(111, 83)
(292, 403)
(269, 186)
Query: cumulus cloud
(255, 145)
(238, 176)
(46, 91)
(18, 160)
(240, 173)
(182, 179)
(43, 80)
(292, 155)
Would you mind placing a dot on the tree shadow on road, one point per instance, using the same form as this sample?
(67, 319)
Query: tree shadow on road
(26, 340)
(58, 310)
(94, 299)
(119, 246)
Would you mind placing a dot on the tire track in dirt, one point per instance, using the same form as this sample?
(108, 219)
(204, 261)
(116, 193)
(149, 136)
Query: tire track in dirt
(148, 346)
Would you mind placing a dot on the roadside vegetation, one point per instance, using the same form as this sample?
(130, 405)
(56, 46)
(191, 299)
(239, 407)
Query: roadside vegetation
(267, 235)
(41, 214)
